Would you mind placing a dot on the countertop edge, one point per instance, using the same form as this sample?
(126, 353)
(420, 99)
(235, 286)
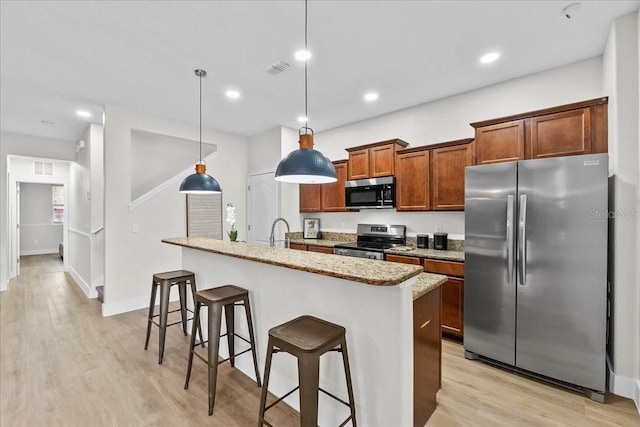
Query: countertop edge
(427, 282)
(310, 269)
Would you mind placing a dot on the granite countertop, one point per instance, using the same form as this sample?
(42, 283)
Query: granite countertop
(361, 270)
(426, 282)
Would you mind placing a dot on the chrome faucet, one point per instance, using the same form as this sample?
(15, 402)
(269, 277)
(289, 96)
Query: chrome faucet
(273, 227)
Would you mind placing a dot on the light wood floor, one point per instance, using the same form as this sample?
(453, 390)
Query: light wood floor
(63, 364)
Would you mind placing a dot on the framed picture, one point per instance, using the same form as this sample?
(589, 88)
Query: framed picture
(311, 228)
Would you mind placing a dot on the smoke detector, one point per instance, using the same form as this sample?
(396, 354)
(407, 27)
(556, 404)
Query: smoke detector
(571, 10)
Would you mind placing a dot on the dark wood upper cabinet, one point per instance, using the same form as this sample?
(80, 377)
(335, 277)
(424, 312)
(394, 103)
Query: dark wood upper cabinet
(566, 130)
(561, 134)
(373, 160)
(310, 200)
(431, 177)
(412, 179)
(447, 171)
(333, 197)
(502, 142)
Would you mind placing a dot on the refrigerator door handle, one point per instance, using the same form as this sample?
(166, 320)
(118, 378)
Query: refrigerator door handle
(522, 243)
(510, 218)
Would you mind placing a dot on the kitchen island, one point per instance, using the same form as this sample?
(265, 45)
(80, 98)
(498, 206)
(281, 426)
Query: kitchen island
(373, 300)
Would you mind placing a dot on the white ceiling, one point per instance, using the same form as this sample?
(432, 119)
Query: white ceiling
(60, 56)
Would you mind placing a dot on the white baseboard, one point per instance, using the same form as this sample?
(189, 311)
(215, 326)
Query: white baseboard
(111, 309)
(624, 386)
(88, 290)
(39, 252)
(4, 286)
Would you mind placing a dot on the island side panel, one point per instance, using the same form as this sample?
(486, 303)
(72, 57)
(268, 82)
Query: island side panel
(378, 320)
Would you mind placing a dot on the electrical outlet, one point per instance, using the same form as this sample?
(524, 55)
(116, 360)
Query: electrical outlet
(135, 228)
(438, 228)
(344, 224)
(36, 241)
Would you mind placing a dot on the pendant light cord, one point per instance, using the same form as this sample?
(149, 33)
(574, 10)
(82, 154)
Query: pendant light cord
(306, 114)
(200, 117)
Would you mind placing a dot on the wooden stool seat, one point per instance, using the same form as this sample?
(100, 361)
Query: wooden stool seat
(227, 297)
(164, 281)
(307, 338)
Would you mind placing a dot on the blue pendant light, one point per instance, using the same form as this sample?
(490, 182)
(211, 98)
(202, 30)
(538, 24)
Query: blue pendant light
(306, 165)
(200, 182)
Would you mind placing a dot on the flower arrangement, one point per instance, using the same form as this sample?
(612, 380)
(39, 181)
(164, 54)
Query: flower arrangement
(231, 219)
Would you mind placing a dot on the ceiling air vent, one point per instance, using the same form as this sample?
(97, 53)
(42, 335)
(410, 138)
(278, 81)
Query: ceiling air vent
(278, 68)
(43, 168)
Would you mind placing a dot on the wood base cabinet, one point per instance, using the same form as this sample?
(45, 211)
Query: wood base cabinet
(452, 309)
(427, 355)
(452, 294)
(311, 248)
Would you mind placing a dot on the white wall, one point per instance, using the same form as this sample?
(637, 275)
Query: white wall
(96, 154)
(264, 151)
(79, 250)
(38, 233)
(621, 81)
(25, 145)
(444, 120)
(132, 258)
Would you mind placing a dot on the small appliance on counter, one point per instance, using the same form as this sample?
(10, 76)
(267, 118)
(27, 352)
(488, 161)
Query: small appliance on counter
(440, 241)
(422, 241)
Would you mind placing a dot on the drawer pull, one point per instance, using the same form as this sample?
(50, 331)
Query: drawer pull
(425, 323)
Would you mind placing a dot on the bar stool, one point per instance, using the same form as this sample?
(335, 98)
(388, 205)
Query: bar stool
(307, 338)
(165, 280)
(215, 299)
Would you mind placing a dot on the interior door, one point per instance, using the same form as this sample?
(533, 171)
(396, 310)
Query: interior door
(262, 207)
(489, 290)
(562, 267)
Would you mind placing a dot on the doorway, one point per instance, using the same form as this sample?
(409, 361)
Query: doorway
(262, 206)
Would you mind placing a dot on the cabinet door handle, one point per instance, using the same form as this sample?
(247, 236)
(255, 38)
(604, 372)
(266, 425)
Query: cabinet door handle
(425, 323)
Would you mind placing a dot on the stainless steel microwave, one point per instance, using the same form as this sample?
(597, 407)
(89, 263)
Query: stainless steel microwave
(374, 193)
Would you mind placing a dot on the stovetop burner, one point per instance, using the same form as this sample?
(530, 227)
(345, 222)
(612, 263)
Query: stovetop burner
(374, 238)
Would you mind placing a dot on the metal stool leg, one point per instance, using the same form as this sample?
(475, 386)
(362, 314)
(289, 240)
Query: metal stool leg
(192, 280)
(182, 291)
(265, 384)
(152, 305)
(252, 338)
(347, 374)
(309, 374)
(164, 313)
(229, 315)
(192, 343)
(215, 320)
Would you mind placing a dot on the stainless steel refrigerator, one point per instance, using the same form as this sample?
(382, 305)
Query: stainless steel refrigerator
(535, 294)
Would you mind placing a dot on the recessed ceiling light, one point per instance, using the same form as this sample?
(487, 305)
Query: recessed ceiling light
(233, 94)
(83, 113)
(47, 123)
(303, 55)
(303, 119)
(489, 57)
(371, 96)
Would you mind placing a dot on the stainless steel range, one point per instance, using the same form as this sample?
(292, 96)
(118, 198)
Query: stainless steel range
(372, 240)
